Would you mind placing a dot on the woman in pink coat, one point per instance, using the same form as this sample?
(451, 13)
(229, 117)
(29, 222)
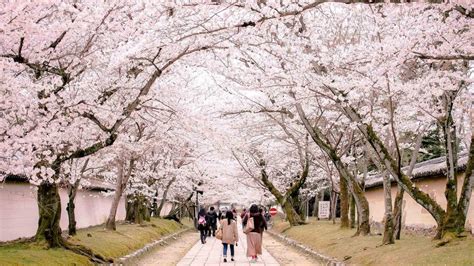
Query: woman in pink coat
(230, 236)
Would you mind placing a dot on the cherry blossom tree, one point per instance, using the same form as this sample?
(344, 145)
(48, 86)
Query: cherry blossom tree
(77, 79)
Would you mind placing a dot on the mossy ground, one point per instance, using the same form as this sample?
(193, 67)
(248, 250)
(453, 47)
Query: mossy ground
(35, 254)
(329, 239)
(109, 244)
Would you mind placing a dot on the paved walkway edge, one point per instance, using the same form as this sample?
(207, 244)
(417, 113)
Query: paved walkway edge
(150, 246)
(328, 260)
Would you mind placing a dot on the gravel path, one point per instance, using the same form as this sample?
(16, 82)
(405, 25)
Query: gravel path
(287, 255)
(171, 253)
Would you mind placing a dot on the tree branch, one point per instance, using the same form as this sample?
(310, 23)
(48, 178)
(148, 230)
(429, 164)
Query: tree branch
(445, 57)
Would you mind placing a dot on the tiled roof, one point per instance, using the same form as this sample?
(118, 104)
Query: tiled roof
(87, 183)
(426, 169)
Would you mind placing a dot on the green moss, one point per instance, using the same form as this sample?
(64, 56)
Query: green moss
(127, 238)
(32, 254)
(329, 239)
(109, 244)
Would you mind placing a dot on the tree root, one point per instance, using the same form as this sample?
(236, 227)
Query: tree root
(286, 229)
(87, 252)
(448, 237)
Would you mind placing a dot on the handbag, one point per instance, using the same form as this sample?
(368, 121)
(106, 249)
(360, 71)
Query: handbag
(219, 233)
(249, 226)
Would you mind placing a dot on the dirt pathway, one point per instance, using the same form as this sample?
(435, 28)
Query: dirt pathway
(169, 254)
(287, 255)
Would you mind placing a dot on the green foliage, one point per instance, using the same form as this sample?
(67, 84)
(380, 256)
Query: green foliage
(433, 143)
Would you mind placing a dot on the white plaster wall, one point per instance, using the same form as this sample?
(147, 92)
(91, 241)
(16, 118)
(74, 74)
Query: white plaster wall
(19, 211)
(413, 214)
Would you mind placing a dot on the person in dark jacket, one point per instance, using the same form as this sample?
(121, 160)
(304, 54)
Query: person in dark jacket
(260, 210)
(212, 220)
(254, 237)
(202, 225)
(242, 216)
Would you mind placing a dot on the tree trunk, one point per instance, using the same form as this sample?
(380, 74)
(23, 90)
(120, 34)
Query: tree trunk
(398, 209)
(49, 209)
(353, 185)
(316, 204)
(388, 225)
(72, 191)
(391, 164)
(284, 200)
(344, 203)
(71, 207)
(122, 180)
(353, 212)
(160, 207)
(295, 201)
(154, 205)
(165, 195)
(136, 209)
(397, 213)
(334, 197)
(402, 179)
(450, 142)
(291, 215)
(455, 220)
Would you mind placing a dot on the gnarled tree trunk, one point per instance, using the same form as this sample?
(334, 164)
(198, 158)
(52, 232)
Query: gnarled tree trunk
(291, 214)
(49, 206)
(455, 220)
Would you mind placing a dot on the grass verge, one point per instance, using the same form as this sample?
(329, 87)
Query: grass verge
(109, 244)
(329, 239)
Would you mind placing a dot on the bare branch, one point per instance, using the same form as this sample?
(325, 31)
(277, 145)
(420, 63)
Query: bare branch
(96, 121)
(445, 57)
(58, 40)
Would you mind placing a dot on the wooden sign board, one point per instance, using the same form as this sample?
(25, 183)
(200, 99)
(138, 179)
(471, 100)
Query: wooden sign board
(323, 211)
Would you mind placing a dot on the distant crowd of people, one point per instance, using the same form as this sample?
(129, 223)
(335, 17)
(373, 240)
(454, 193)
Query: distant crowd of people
(223, 226)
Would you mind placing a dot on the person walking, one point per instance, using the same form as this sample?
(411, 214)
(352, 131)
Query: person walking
(230, 235)
(242, 216)
(212, 220)
(254, 235)
(264, 219)
(202, 225)
(221, 215)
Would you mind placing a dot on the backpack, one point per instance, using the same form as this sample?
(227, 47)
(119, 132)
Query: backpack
(202, 220)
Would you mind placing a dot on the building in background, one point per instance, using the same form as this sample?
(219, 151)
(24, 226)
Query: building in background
(19, 209)
(430, 177)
